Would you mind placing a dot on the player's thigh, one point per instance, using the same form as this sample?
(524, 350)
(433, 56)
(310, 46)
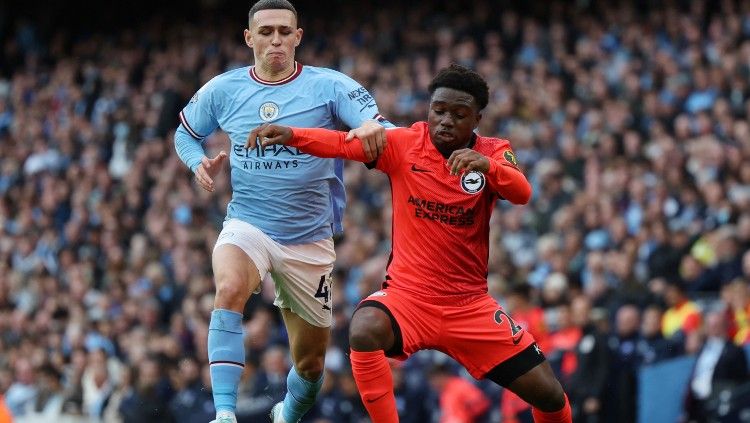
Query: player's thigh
(240, 257)
(235, 276)
(485, 339)
(416, 324)
(373, 327)
(307, 342)
(302, 280)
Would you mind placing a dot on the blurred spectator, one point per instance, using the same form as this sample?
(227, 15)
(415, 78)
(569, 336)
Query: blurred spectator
(719, 364)
(737, 297)
(124, 389)
(260, 392)
(48, 405)
(191, 402)
(621, 402)
(683, 316)
(328, 399)
(587, 385)
(460, 400)
(413, 399)
(664, 260)
(339, 401)
(150, 397)
(98, 382)
(563, 342)
(726, 265)
(22, 393)
(652, 346)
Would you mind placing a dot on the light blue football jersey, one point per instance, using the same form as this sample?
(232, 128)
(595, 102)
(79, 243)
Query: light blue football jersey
(291, 196)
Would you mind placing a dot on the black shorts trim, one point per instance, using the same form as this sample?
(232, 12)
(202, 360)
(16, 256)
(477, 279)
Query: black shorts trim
(397, 349)
(509, 370)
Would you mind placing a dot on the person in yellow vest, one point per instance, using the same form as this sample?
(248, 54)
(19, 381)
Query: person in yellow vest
(683, 315)
(737, 297)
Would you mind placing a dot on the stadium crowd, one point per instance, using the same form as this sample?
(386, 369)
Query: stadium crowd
(629, 118)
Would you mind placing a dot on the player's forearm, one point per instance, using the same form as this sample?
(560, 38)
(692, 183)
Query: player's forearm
(327, 143)
(509, 182)
(189, 150)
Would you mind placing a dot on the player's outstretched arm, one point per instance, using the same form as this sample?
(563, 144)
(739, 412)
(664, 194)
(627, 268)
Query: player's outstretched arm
(315, 141)
(373, 138)
(506, 179)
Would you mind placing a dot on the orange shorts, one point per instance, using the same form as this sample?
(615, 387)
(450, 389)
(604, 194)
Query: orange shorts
(474, 330)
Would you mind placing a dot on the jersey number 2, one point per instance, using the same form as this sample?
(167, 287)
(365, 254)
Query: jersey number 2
(514, 328)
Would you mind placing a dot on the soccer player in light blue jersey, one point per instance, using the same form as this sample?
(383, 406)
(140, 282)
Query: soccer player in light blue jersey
(285, 206)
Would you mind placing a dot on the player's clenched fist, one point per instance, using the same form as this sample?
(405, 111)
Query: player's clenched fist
(268, 134)
(468, 159)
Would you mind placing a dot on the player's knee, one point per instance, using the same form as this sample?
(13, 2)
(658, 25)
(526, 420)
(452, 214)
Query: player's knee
(310, 368)
(231, 293)
(370, 330)
(550, 396)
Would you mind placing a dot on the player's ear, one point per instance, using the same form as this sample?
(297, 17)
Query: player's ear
(248, 38)
(479, 117)
(299, 37)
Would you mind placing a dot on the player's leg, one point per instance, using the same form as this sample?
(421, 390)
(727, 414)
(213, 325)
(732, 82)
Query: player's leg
(303, 293)
(307, 344)
(236, 276)
(370, 335)
(540, 388)
(388, 323)
(486, 340)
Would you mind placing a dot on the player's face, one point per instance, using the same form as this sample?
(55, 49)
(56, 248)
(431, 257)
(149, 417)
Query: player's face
(452, 118)
(273, 35)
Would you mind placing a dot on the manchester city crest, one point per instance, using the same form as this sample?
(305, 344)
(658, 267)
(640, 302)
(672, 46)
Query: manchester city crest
(269, 111)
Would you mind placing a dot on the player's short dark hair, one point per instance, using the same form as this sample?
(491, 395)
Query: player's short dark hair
(271, 4)
(463, 79)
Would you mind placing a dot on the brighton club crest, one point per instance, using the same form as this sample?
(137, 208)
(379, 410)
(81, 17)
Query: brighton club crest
(472, 182)
(269, 111)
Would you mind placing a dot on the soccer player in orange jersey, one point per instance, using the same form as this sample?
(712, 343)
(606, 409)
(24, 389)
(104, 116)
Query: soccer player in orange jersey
(445, 180)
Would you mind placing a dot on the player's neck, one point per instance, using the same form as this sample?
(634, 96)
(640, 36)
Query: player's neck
(268, 74)
(446, 150)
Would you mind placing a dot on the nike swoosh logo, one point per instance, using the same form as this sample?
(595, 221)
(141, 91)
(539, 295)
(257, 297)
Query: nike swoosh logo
(375, 399)
(414, 168)
(516, 341)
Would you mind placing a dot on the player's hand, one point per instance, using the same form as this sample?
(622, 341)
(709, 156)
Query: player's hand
(468, 159)
(269, 134)
(208, 169)
(373, 138)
